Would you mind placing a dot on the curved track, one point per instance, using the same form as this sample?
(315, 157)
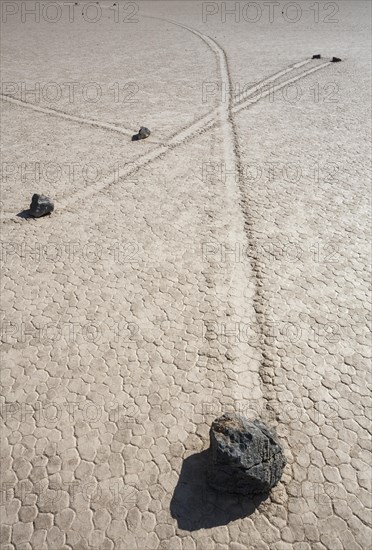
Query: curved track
(219, 115)
(129, 267)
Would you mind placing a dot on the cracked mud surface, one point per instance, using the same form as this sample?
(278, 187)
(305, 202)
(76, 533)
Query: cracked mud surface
(159, 296)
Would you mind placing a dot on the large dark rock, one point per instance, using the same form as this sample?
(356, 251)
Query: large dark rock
(245, 456)
(40, 205)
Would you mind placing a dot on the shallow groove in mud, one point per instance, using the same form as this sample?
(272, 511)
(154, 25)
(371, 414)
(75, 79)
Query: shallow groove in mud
(67, 116)
(225, 119)
(196, 128)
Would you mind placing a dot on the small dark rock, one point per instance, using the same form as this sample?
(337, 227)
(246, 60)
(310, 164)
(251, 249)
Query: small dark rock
(40, 205)
(245, 456)
(143, 133)
(317, 56)
(336, 59)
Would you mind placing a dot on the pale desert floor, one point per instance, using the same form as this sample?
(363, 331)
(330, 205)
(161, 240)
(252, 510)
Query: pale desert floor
(220, 265)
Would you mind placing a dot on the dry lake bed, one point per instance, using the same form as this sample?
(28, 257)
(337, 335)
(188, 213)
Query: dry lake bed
(219, 265)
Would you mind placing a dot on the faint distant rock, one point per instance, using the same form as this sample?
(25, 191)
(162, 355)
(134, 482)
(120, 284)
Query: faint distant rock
(317, 56)
(245, 456)
(143, 133)
(336, 59)
(40, 205)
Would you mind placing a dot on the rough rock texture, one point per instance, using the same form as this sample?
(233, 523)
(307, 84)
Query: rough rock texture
(144, 132)
(40, 205)
(245, 457)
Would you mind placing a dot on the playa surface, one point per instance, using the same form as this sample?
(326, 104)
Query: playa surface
(221, 265)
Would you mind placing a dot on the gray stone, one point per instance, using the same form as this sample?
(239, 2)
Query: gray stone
(245, 456)
(144, 132)
(40, 205)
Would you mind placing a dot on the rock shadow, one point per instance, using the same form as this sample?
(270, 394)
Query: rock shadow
(195, 505)
(24, 214)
